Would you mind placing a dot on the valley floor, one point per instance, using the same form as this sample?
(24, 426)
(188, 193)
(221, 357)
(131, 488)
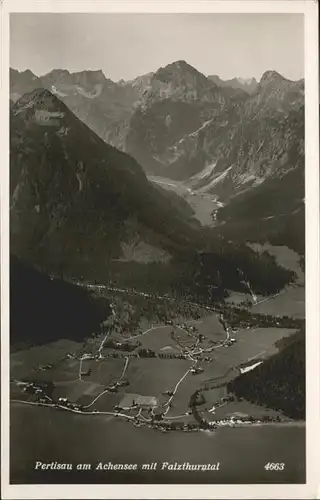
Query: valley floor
(203, 204)
(170, 377)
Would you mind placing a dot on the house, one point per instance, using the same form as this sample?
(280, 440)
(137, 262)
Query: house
(238, 415)
(194, 371)
(123, 383)
(20, 382)
(87, 373)
(212, 424)
(112, 388)
(63, 400)
(168, 393)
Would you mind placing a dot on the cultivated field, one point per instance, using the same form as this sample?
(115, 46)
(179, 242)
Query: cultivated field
(24, 362)
(284, 256)
(290, 302)
(85, 382)
(151, 377)
(254, 341)
(158, 338)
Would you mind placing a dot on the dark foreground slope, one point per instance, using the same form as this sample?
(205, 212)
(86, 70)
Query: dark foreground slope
(279, 382)
(80, 207)
(75, 199)
(43, 310)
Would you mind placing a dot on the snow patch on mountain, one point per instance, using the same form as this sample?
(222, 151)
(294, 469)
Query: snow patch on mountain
(48, 118)
(57, 92)
(216, 180)
(208, 169)
(91, 95)
(203, 126)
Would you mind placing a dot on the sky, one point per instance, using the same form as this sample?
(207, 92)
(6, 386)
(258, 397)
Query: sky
(128, 45)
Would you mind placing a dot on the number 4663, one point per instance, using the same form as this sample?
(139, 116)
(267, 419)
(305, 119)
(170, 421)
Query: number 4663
(274, 466)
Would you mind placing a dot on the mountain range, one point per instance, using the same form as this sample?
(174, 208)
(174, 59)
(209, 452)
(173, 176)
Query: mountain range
(180, 124)
(82, 147)
(80, 207)
(249, 85)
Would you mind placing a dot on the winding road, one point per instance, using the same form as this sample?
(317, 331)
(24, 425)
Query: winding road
(192, 353)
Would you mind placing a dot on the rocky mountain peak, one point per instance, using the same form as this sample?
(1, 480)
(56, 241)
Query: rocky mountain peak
(217, 80)
(27, 75)
(289, 92)
(182, 64)
(66, 182)
(36, 97)
(271, 76)
(249, 85)
(86, 78)
(40, 105)
(90, 76)
(56, 74)
(179, 71)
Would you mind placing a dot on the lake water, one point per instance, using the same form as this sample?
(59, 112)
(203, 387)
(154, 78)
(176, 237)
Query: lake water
(203, 204)
(49, 435)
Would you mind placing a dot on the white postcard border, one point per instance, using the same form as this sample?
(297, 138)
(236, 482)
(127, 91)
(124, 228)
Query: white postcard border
(143, 491)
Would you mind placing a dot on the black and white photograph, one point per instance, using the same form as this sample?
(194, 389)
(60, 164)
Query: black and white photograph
(157, 248)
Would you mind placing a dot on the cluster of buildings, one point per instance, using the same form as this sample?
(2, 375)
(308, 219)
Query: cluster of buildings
(230, 342)
(115, 387)
(42, 368)
(30, 387)
(169, 425)
(124, 346)
(196, 370)
(171, 355)
(66, 403)
(115, 354)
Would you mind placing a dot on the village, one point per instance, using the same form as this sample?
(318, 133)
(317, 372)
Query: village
(190, 344)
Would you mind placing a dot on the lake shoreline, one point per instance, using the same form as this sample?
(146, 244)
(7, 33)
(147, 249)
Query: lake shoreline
(242, 453)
